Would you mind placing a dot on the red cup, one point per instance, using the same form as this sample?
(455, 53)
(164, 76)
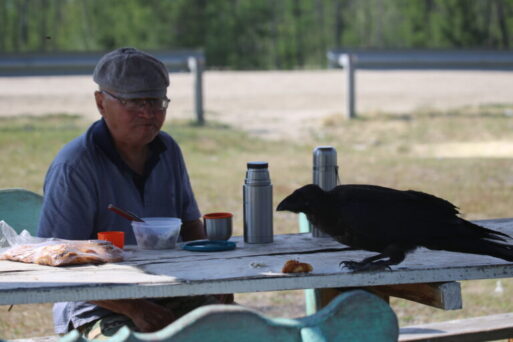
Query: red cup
(116, 238)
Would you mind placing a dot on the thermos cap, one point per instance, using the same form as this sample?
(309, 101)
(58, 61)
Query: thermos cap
(324, 156)
(258, 165)
(257, 174)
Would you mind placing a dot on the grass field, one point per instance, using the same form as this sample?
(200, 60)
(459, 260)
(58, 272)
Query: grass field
(461, 155)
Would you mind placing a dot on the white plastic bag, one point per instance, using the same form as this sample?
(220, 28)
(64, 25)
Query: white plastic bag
(55, 252)
(9, 237)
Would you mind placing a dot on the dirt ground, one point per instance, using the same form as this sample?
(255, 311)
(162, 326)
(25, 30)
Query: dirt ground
(275, 104)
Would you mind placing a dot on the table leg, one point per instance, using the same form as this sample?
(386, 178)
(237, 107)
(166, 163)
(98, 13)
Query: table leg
(444, 295)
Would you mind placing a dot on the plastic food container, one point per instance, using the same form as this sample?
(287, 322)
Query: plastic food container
(157, 232)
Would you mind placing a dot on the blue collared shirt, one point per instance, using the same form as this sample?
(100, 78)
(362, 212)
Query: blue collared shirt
(87, 175)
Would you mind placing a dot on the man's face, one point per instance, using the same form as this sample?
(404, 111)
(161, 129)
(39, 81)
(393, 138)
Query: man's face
(131, 122)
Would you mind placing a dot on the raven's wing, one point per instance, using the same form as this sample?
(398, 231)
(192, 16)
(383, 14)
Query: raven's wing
(382, 193)
(386, 214)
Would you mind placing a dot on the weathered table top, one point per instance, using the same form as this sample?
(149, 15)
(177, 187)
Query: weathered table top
(248, 268)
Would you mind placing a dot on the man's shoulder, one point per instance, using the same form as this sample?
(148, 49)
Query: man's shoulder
(74, 150)
(78, 150)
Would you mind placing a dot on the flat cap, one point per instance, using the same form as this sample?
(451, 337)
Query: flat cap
(132, 73)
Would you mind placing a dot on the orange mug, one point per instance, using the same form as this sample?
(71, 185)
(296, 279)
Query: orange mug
(116, 238)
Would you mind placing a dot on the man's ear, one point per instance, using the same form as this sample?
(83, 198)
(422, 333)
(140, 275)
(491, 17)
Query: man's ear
(98, 96)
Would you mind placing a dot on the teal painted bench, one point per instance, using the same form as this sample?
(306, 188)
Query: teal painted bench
(20, 209)
(484, 328)
(353, 316)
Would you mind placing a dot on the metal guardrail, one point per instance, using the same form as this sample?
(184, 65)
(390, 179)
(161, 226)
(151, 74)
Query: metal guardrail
(83, 63)
(351, 60)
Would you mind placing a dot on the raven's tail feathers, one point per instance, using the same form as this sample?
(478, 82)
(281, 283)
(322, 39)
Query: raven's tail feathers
(485, 232)
(482, 247)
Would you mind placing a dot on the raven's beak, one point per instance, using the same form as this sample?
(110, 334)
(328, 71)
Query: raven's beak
(290, 203)
(282, 206)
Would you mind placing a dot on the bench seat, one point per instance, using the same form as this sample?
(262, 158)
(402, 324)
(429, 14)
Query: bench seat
(483, 328)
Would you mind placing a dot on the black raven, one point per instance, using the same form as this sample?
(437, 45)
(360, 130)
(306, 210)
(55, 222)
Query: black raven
(392, 222)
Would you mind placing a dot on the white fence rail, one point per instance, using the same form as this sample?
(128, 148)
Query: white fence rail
(350, 60)
(30, 64)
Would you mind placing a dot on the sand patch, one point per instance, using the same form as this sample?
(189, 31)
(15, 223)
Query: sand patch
(487, 149)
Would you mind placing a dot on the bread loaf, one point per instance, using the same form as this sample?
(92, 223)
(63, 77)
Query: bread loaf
(64, 252)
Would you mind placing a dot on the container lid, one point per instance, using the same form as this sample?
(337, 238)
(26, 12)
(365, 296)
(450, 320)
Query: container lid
(257, 165)
(324, 156)
(209, 246)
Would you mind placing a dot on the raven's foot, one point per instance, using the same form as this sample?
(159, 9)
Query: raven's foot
(363, 266)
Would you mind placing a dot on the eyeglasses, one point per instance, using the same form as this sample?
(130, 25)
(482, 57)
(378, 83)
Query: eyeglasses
(134, 105)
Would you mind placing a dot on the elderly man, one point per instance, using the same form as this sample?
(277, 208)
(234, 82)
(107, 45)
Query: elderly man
(126, 160)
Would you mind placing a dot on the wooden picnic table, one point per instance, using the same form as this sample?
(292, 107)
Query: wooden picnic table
(248, 268)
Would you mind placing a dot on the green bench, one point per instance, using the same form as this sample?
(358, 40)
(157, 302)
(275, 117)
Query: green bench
(20, 209)
(353, 316)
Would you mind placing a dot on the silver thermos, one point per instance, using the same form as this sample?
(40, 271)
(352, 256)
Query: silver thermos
(258, 204)
(325, 174)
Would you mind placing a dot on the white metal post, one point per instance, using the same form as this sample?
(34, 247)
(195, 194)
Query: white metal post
(348, 61)
(196, 67)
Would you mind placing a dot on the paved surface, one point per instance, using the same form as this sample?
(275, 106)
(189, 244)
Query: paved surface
(274, 103)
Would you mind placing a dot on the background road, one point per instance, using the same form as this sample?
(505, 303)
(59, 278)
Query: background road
(275, 104)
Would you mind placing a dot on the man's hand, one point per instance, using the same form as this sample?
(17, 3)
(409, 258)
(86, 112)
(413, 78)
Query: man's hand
(193, 230)
(147, 316)
(151, 317)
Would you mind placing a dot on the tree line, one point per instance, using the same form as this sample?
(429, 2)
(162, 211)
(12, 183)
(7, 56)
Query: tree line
(254, 34)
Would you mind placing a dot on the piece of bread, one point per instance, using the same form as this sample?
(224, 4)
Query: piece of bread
(65, 252)
(294, 266)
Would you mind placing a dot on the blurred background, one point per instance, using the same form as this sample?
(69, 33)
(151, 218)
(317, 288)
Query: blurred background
(432, 95)
(245, 34)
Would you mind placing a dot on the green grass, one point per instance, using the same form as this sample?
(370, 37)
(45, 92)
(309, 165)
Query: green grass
(377, 149)
(28, 145)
